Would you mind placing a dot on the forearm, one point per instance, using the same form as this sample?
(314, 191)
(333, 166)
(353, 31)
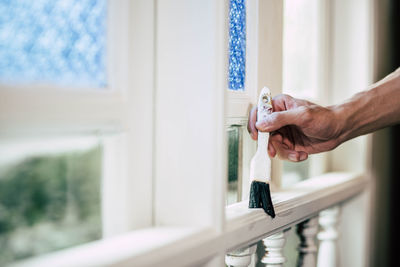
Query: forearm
(370, 110)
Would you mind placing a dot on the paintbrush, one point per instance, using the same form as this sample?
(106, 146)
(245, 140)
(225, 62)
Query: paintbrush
(260, 166)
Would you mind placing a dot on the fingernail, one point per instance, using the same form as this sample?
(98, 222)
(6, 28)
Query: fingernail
(292, 156)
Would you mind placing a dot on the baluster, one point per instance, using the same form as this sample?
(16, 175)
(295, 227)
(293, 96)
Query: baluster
(240, 257)
(307, 231)
(327, 254)
(273, 246)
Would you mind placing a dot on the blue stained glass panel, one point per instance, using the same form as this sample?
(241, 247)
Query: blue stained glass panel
(53, 42)
(237, 44)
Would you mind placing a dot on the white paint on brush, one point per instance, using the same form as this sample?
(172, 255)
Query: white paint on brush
(260, 166)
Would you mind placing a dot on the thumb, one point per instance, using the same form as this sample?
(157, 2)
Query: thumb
(277, 120)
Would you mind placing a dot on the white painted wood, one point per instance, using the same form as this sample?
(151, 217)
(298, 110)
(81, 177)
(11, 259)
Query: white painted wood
(137, 248)
(114, 208)
(180, 246)
(327, 254)
(191, 78)
(292, 206)
(240, 257)
(274, 249)
(138, 128)
(308, 247)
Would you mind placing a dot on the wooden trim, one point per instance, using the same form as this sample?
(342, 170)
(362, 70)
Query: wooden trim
(292, 205)
(185, 246)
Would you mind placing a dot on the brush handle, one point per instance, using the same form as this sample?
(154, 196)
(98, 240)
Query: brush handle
(262, 143)
(264, 109)
(260, 166)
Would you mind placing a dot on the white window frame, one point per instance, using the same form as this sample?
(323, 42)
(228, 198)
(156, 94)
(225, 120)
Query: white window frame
(182, 160)
(239, 102)
(112, 114)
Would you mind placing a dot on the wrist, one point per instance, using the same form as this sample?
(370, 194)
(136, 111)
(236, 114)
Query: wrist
(341, 114)
(355, 116)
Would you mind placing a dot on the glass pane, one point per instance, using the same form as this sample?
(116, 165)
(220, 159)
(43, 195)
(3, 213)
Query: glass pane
(234, 162)
(49, 197)
(301, 57)
(301, 42)
(53, 42)
(237, 44)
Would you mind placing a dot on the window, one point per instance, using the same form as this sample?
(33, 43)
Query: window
(160, 129)
(51, 168)
(236, 82)
(237, 44)
(53, 42)
(241, 91)
(303, 71)
(49, 196)
(65, 108)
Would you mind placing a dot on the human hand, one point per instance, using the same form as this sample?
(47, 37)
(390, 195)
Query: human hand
(298, 128)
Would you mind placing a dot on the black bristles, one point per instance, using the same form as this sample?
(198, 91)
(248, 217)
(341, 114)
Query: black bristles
(260, 197)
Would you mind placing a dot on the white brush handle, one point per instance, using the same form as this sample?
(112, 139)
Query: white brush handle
(260, 167)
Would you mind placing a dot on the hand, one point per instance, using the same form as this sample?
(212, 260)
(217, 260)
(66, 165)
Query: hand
(298, 128)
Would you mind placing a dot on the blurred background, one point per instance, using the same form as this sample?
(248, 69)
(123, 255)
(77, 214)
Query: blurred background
(385, 157)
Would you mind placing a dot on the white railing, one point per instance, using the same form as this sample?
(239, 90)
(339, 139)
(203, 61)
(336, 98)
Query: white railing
(307, 205)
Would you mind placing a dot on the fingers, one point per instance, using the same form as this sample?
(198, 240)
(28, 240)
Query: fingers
(287, 111)
(251, 123)
(277, 146)
(271, 150)
(278, 120)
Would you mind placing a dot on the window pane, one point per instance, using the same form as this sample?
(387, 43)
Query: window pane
(53, 42)
(301, 42)
(49, 197)
(234, 165)
(301, 68)
(237, 44)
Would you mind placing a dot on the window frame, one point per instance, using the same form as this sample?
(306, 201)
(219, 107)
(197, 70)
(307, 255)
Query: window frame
(206, 240)
(240, 102)
(111, 114)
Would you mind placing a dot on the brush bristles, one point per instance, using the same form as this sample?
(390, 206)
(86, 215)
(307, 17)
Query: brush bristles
(260, 197)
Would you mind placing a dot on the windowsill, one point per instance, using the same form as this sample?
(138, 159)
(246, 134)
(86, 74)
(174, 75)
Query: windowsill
(243, 227)
(292, 205)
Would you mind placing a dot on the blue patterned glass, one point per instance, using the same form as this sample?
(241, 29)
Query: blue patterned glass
(237, 44)
(58, 42)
